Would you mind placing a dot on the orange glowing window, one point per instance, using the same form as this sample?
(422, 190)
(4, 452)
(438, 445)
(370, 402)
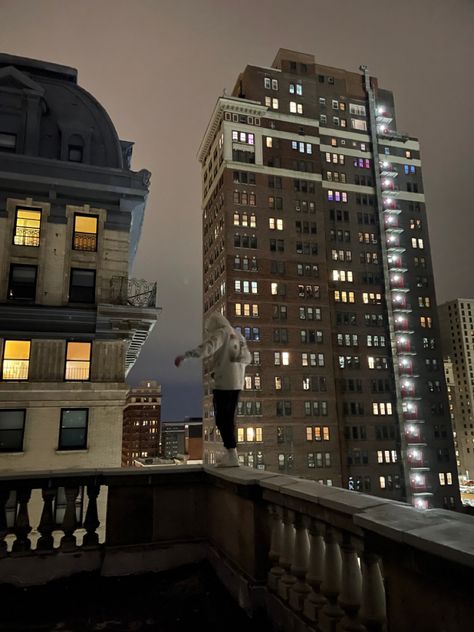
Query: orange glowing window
(85, 232)
(16, 359)
(27, 227)
(78, 360)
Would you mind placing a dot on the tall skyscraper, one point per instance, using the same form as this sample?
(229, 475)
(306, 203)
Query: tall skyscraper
(142, 423)
(457, 335)
(315, 244)
(72, 323)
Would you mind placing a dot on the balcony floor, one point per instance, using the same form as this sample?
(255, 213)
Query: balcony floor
(178, 600)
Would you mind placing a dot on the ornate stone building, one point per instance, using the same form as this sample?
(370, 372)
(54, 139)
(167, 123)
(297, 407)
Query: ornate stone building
(71, 321)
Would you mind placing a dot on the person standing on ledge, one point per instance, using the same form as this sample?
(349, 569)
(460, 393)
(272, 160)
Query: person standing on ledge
(229, 355)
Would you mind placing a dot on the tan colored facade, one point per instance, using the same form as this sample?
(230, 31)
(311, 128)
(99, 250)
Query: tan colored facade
(457, 332)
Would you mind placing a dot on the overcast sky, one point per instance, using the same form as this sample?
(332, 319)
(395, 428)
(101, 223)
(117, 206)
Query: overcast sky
(158, 67)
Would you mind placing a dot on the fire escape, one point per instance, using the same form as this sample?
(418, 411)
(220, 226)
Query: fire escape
(398, 306)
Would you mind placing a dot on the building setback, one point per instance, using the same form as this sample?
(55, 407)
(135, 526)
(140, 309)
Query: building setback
(71, 321)
(457, 334)
(142, 423)
(315, 244)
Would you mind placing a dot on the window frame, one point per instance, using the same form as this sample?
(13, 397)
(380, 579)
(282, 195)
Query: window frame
(70, 286)
(89, 216)
(86, 436)
(21, 442)
(36, 209)
(88, 379)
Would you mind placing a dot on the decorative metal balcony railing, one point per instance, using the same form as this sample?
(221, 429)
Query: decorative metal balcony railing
(134, 292)
(26, 236)
(291, 551)
(85, 242)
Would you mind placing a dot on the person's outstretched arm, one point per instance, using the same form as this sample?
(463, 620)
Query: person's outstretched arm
(211, 343)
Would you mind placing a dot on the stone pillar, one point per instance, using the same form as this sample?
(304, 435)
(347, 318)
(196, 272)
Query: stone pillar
(315, 575)
(374, 609)
(299, 567)
(22, 522)
(68, 541)
(276, 572)
(331, 585)
(287, 580)
(46, 525)
(351, 587)
(91, 522)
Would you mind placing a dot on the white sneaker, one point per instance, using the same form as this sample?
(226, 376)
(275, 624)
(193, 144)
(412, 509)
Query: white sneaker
(230, 459)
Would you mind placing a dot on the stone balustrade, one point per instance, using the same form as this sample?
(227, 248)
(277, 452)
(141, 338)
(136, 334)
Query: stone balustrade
(305, 556)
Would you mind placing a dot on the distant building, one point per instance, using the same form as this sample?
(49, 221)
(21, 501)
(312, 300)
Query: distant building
(72, 322)
(183, 438)
(316, 246)
(457, 335)
(142, 423)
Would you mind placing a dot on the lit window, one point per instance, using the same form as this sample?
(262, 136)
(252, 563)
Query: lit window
(16, 359)
(240, 435)
(274, 289)
(250, 434)
(442, 480)
(73, 429)
(85, 233)
(382, 482)
(285, 358)
(449, 478)
(275, 103)
(78, 360)
(269, 141)
(27, 227)
(359, 125)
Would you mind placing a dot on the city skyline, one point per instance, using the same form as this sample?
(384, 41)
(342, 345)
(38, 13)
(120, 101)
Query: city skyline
(168, 121)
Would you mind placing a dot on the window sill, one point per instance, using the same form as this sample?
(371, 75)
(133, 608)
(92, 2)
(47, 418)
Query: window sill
(76, 451)
(19, 453)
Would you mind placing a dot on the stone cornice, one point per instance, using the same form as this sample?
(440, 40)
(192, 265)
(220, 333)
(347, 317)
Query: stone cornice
(227, 104)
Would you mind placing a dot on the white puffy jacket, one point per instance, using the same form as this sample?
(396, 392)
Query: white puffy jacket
(228, 350)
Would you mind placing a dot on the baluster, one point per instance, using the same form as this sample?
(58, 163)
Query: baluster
(331, 585)
(91, 521)
(68, 541)
(22, 521)
(4, 496)
(299, 567)
(315, 575)
(350, 598)
(46, 525)
(287, 580)
(374, 610)
(276, 546)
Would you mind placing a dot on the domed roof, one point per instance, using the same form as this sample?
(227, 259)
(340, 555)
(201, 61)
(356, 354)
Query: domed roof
(58, 119)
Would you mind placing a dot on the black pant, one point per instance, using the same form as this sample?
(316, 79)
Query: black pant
(225, 404)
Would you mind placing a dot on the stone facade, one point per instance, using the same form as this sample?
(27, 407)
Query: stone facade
(71, 211)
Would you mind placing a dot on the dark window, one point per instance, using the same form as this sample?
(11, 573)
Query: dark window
(85, 232)
(73, 429)
(7, 142)
(82, 287)
(75, 153)
(22, 283)
(12, 426)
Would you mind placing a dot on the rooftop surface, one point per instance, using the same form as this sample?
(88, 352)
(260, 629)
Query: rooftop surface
(173, 601)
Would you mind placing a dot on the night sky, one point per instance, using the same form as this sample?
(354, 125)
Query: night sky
(158, 66)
